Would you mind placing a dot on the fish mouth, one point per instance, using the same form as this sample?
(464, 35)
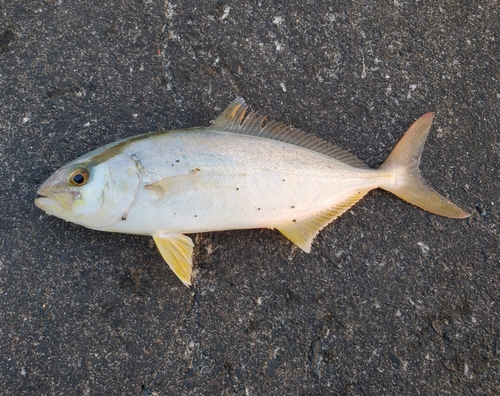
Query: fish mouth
(48, 200)
(44, 199)
(43, 202)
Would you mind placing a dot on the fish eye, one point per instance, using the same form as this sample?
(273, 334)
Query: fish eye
(79, 177)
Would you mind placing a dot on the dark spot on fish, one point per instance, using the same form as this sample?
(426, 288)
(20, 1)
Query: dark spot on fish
(293, 206)
(172, 164)
(195, 215)
(124, 217)
(283, 180)
(237, 189)
(294, 220)
(258, 208)
(177, 160)
(196, 170)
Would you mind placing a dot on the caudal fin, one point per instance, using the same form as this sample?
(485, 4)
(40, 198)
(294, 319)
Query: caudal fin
(404, 162)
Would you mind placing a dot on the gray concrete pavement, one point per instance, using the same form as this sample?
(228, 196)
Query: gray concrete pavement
(392, 300)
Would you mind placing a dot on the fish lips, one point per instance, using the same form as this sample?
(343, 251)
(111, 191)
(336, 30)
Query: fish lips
(54, 198)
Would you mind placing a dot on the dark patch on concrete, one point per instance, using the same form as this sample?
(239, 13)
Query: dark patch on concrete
(6, 37)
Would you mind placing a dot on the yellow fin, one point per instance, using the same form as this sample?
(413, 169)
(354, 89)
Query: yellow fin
(409, 185)
(177, 251)
(304, 231)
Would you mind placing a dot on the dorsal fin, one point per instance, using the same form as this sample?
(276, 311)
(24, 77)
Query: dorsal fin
(233, 119)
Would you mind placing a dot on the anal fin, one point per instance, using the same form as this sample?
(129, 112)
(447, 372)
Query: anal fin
(303, 232)
(177, 251)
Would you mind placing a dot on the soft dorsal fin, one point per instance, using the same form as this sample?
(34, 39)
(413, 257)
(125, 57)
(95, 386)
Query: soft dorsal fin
(176, 250)
(233, 119)
(303, 232)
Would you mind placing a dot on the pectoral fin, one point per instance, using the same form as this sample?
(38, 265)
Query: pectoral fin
(172, 184)
(177, 251)
(303, 232)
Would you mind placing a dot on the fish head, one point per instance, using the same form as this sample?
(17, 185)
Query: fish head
(95, 195)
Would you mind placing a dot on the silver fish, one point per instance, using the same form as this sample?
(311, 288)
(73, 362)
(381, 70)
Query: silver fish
(238, 173)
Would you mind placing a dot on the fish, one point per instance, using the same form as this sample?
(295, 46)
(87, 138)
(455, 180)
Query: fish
(241, 172)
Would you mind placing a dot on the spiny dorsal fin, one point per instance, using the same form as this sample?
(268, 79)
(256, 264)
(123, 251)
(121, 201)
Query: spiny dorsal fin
(233, 119)
(304, 231)
(177, 251)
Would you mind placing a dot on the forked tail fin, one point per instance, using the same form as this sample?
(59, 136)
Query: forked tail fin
(407, 184)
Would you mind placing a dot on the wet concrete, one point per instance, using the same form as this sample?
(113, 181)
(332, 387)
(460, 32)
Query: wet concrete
(392, 300)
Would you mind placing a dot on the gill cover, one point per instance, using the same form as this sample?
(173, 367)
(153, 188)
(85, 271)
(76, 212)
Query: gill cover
(111, 191)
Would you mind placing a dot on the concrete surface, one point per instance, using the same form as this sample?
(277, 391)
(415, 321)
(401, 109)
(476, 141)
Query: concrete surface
(392, 300)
